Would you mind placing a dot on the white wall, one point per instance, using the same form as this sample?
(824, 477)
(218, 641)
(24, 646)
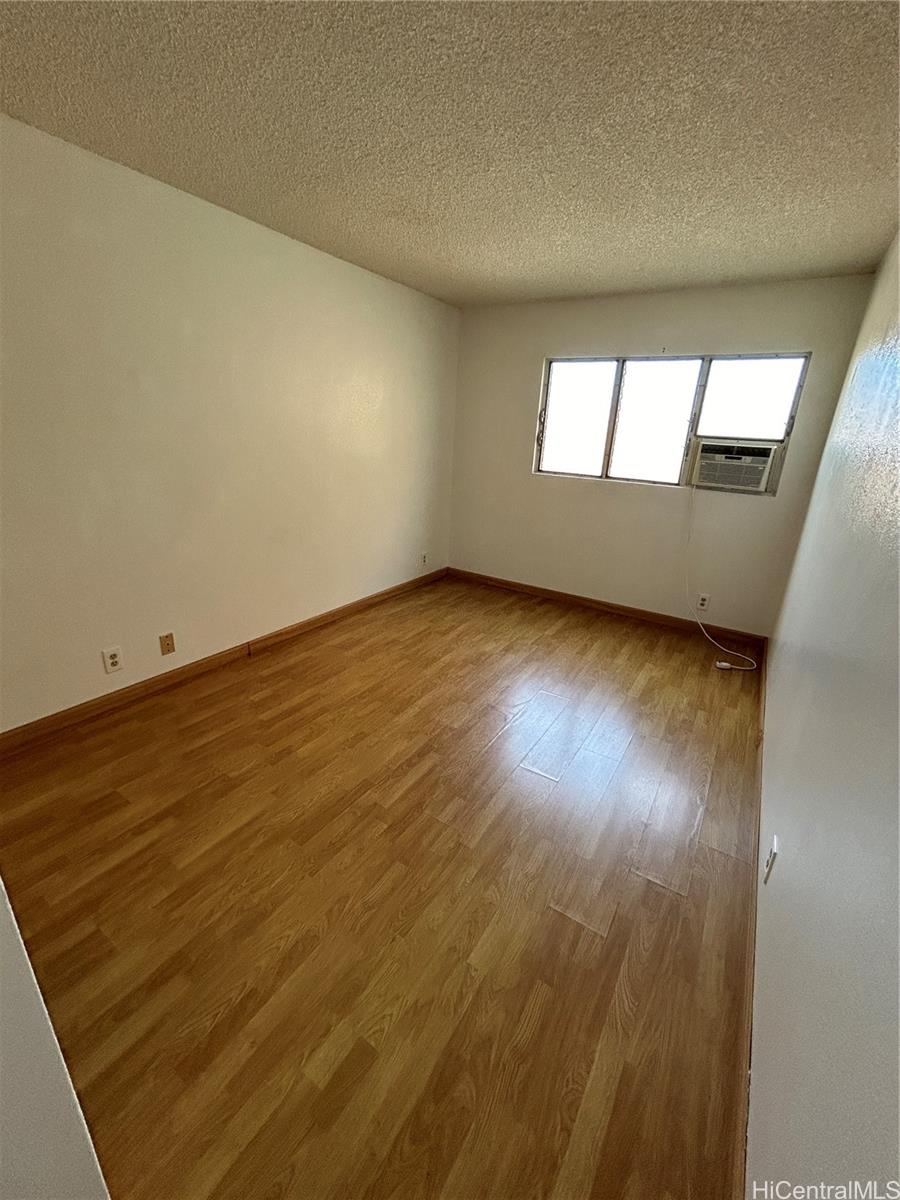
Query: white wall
(207, 427)
(45, 1149)
(623, 542)
(823, 1097)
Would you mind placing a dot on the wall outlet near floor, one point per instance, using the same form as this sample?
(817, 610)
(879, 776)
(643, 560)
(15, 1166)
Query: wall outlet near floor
(702, 601)
(770, 858)
(424, 559)
(167, 643)
(112, 659)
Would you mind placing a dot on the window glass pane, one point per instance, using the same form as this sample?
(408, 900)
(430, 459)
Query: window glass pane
(654, 415)
(749, 397)
(579, 395)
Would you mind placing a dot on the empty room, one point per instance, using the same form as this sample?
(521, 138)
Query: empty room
(449, 612)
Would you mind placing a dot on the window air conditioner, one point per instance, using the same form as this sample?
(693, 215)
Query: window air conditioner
(726, 465)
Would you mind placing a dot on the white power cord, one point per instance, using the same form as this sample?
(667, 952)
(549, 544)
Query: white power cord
(721, 663)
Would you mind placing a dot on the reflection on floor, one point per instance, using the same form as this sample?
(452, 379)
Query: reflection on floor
(447, 899)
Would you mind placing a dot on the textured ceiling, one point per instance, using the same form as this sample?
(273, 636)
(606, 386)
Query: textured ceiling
(496, 151)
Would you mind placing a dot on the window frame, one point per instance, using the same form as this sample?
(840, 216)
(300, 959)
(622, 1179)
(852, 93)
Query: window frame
(706, 361)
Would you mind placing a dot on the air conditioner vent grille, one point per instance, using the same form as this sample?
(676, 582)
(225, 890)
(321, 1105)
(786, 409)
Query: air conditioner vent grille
(733, 466)
(728, 474)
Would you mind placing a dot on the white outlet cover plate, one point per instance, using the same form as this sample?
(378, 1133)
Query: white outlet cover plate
(112, 659)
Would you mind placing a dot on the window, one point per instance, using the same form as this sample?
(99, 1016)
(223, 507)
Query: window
(655, 406)
(750, 397)
(576, 416)
(634, 418)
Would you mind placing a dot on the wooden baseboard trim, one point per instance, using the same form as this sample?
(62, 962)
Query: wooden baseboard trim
(268, 640)
(13, 740)
(620, 610)
(24, 736)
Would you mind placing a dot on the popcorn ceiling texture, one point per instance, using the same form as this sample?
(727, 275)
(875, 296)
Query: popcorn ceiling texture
(496, 151)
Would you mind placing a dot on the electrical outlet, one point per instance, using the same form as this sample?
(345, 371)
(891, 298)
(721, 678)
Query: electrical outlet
(424, 559)
(167, 643)
(770, 858)
(702, 601)
(112, 659)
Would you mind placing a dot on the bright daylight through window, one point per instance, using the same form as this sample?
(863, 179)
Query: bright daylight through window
(579, 402)
(655, 404)
(633, 419)
(750, 397)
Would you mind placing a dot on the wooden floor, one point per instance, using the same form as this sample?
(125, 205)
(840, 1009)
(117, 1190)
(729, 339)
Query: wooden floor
(448, 899)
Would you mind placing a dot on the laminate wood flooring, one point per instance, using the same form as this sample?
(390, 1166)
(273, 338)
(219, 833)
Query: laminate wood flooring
(448, 900)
